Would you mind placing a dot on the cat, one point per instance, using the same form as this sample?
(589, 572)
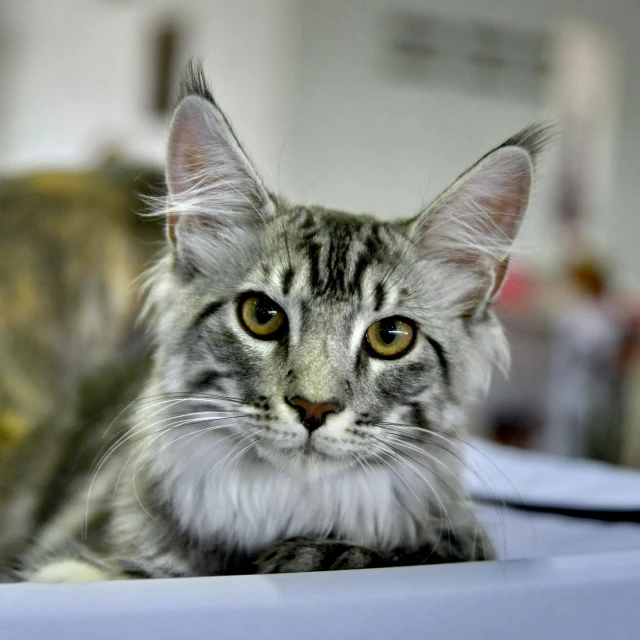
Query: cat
(311, 371)
(70, 351)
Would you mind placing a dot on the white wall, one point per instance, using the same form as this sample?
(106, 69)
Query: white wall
(76, 75)
(300, 81)
(364, 142)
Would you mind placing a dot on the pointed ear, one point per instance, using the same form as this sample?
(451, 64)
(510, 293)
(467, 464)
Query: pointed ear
(213, 189)
(473, 224)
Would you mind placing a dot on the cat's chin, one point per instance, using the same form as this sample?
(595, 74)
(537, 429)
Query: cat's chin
(306, 462)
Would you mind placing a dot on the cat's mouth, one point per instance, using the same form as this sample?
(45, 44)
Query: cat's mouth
(309, 451)
(310, 448)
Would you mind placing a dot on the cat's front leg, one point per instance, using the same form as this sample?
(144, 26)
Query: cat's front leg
(305, 554)
(78, 565)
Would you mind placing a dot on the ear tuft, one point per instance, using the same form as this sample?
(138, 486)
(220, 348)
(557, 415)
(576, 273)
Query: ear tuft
(474, 223)
(534, 139)
(194, 83)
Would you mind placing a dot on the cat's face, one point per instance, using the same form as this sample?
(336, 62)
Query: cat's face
(333, 336)
(317, 340)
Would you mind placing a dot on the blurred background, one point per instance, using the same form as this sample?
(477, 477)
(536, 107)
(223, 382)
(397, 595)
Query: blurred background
(366, 105)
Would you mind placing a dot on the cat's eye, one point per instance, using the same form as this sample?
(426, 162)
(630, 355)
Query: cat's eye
(262, 317)
(390, 337)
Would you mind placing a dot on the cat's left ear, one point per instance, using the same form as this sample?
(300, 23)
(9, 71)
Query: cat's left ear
(215, 194)
(473, 224)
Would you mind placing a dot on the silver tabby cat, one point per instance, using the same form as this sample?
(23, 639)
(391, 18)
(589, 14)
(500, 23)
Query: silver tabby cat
(312, 371)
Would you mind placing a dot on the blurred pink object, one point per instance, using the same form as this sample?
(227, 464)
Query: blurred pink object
(520, 290)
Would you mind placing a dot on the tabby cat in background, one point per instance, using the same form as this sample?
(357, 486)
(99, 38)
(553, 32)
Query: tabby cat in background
(310, 376)
(70, 353)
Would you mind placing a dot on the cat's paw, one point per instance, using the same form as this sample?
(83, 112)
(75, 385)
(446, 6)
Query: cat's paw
(303, 554)
(465, 544)
(67, 570)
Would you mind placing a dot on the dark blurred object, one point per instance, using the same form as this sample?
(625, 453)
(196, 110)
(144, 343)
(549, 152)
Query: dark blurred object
(514, 429)
(574, 366)
(71, 355)
(630, 362)
(583, 404)
(590, 277)
(166, 51)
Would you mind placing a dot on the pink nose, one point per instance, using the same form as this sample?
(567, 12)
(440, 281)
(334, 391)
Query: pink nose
(313, 414)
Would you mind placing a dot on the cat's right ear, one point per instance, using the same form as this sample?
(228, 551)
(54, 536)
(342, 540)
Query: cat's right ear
(214, 192)
(473, 224)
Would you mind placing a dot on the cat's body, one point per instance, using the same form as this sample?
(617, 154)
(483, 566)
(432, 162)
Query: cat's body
(311, 374)
(71, 355)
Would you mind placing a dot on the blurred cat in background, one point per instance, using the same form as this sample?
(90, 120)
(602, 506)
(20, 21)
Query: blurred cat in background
(71, 355)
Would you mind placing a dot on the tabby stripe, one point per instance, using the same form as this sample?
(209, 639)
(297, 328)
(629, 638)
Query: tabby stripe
(308, 221)
(336, 266)
(358, 272)
(418, 416)
(140, 569)
(208, 379)
(442, 359)
(314, 266)
(379, 296)
(368, 256)
(287, 280)
(209, 310)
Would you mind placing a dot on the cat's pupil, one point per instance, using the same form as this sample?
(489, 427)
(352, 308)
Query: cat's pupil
(264, 312)
(388, 331)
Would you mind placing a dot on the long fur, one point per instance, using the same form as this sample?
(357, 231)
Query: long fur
(218, 474)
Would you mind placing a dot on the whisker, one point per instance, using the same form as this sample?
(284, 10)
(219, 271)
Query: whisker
(402, 459)
(168, 397)
(211, 446)
(500, 502)
(180, 424)
(238, 444)
(129, 435)
(454, 452)
(468, 444)
(386, 462)
(132, 432)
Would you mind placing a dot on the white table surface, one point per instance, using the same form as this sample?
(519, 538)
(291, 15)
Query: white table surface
(557, 577)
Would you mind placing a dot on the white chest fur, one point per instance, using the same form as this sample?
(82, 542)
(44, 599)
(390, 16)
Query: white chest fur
(253, 504)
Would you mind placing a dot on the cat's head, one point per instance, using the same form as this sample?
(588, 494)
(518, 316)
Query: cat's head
(315, 339)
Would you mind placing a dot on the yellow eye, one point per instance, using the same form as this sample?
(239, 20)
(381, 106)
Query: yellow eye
(390, 337)
(262, 317)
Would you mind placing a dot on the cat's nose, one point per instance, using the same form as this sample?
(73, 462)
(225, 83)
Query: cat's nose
(313, 414)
